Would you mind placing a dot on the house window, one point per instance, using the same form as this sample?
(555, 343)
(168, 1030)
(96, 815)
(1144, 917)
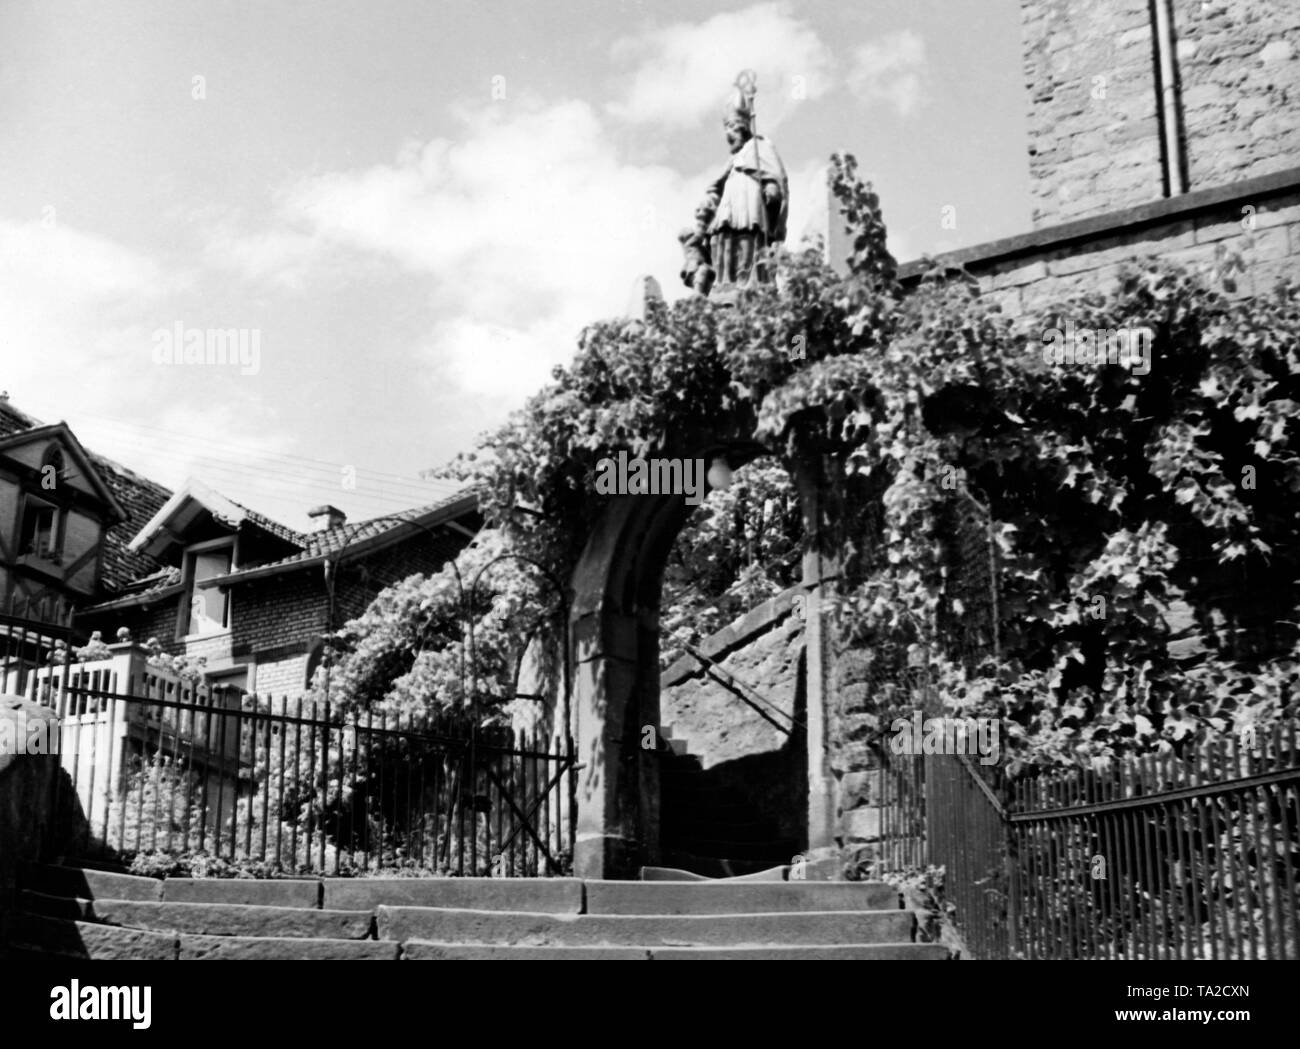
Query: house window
(41, 531)
(209, 607)
(232, 682)
(52, 470)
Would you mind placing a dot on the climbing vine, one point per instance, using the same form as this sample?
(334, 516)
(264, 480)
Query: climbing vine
(1144, 520)
(740, 548)
(409, 652)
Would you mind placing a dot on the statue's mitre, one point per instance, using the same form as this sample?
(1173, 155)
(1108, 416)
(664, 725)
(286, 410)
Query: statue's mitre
(740, 105)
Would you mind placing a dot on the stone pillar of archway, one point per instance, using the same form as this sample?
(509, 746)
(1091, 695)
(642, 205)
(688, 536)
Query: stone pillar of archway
(820, 569)
(615, 632)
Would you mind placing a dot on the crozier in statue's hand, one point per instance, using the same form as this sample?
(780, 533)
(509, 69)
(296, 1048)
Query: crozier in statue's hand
(771, 192)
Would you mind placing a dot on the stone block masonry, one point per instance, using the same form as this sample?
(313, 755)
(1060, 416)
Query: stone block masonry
(1239, 66)
(1094, 110)
(1094, 140)
(1258, 218)
(751, 746)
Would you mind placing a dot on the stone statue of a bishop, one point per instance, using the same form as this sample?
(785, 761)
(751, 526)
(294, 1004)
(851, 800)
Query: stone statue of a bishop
(745, 208)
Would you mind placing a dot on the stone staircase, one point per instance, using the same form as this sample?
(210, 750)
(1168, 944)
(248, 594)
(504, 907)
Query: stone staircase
(82, 913)
(710, 828)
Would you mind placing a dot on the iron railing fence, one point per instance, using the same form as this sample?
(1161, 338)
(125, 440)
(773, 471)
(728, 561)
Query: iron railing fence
(967, 838)
(30, 630)
(1162, 856)
(300, 787)
(1157, 856)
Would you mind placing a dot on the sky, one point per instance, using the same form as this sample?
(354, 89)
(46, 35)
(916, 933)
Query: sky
(410, 208)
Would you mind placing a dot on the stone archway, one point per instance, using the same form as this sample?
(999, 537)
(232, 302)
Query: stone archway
(615, 633)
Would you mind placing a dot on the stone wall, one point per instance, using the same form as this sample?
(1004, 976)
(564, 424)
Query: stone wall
(1094, 136)
(766, 648)
(1094, 126)
(31, 822)
(1256, 218)
(849, 727)
(759, 656)
(1239, 65)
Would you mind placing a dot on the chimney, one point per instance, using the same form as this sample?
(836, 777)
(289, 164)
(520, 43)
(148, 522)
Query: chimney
(327, 517)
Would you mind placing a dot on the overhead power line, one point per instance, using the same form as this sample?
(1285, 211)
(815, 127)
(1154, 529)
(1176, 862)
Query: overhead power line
(284, 458)
(323, 479)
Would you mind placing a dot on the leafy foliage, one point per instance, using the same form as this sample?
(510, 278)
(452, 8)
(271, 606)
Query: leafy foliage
(738, 549)
(1167, 500)
(408, 652)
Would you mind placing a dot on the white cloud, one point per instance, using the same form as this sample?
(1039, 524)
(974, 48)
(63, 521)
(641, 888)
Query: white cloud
(279, 256)
(76, 315)
(61, 266)
(72, 307)
(528, 225)
(217, 445)
(810, 204)
(809, 201)
(891, 69)
(487, 359)
(682, 74)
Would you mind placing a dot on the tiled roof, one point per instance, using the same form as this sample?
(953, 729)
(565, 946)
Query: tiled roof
(333, 540)
(159, 580)
(139, 590)
(13, 421)
(127, 573)
(267, 524)
(140, 498)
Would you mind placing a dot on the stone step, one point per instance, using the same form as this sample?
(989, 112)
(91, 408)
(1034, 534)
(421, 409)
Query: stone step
(80, 939)
(88, 884)
(693, 930)
(677, 874)
(861, 952)
(35, 937)
(724, 866)
(263, 892)
(271, 948)
(211, 919)
(539, 895)
(727, 897)
(431, 951)
(425, 950)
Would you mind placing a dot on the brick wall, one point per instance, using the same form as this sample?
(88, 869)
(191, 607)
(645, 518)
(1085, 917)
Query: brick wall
(286, 676)
(277, 622)
(1090, 73)
(155, 620)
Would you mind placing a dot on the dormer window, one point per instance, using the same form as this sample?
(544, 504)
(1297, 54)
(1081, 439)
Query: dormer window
(206, 610)
(52, 469)
(42, 531)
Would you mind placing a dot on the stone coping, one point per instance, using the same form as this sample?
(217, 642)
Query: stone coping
(1123, 222)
